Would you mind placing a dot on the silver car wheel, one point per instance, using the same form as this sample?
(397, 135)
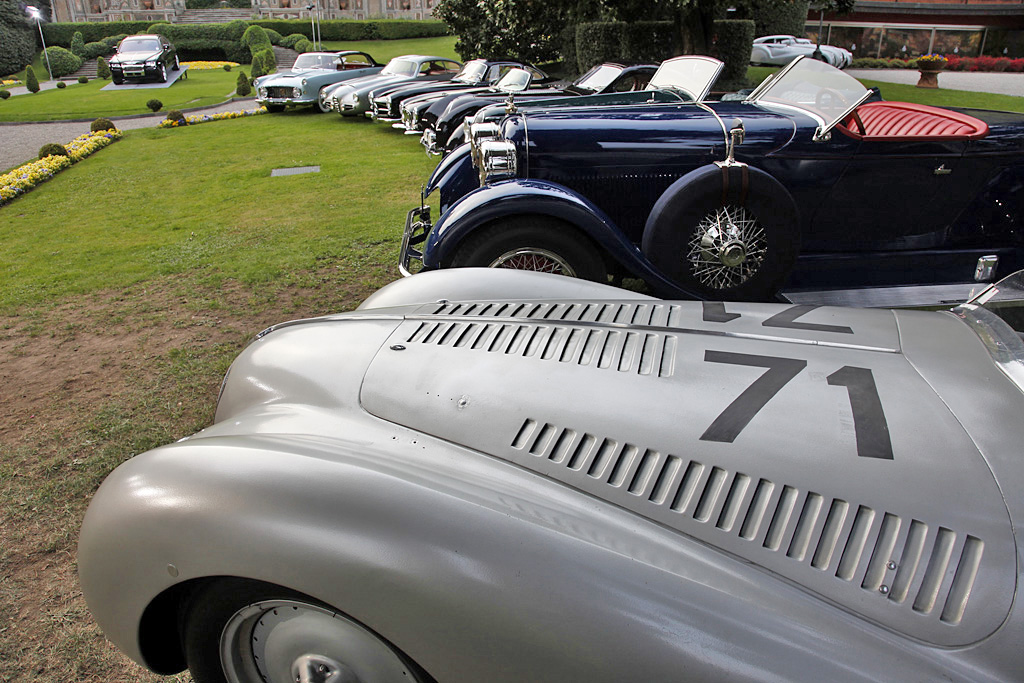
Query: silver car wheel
(281, 641)
(323, 102)
(530, 258)
(727, 248)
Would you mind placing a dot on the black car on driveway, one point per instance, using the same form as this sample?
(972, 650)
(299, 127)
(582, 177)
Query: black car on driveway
(143, 58)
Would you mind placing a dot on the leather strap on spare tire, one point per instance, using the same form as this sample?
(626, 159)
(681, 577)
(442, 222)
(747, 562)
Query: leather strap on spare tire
(714, 217)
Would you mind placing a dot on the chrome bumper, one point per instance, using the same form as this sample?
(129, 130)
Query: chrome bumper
(429, 142)
(417, 227)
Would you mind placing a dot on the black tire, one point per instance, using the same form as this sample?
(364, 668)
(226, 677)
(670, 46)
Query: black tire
(162, 76)
(275, 107)
(118, 80)
(532, 242)
(747, 261)
(229, 608)
(177, 64)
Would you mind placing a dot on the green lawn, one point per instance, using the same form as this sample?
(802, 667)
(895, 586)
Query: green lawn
(383, 50)
(88, 100)
(201, 199)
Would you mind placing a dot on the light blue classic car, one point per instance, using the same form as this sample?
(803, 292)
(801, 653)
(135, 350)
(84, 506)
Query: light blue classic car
(311, 73)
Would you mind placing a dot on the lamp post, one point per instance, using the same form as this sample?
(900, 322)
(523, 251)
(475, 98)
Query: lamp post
(314, 20)
(37, 15)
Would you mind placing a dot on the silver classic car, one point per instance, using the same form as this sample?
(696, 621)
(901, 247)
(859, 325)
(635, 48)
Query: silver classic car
(353, 98)
(495, 475)
(311, 74)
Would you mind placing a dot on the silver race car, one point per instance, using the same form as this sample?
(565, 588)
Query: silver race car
(495, 475)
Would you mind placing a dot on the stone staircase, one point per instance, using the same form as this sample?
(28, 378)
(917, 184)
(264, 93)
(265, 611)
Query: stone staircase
(88, 69)
(284, 57)
(212, 16)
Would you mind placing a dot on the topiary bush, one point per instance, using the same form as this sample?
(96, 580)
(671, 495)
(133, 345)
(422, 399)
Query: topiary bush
(62, 62)
(175, 115)
(273, 36)
(102, 68)
(733, 39)
(102, 124)
(112, 41)
(4, 94)
(263, 63)
(227, 67)
(78, 44)
(83, 79)
(304, 45)
(242, 85)
(94, 50)
(291, 39)
(52, 149)
(31, 82)
(17, 37)
(255, 38)
(155, 105)
(61, 85)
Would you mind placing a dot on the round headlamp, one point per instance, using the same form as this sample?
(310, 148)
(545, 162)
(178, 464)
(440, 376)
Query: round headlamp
(480, 133)
(305, 81)
(497, 161)
(262, 92)
(296, 92)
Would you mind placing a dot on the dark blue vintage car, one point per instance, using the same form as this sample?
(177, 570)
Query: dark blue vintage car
(804, 183)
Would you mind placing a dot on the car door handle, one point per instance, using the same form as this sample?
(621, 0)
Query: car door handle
(942, 170)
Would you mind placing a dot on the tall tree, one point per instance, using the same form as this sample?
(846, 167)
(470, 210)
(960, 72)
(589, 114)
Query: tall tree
(17, 37)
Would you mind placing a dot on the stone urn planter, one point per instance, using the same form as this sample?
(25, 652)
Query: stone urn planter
(929, 78)
(929, 67)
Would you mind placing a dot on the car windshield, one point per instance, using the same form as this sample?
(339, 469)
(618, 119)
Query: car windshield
(514, 81)
(472, 72)
(314, 60)
(598, 78)
(821, 90)
(997, 316)
(139, 45)
(400, 67)
(691, 75)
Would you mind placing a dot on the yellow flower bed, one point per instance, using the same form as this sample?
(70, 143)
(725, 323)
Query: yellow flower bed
(8, 84)
(24, 178)
(208, 66)
(203, 118)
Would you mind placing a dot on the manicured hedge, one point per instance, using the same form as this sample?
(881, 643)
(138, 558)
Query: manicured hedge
(60, 33)
(208, 42)
(345, 29)
(733, 39)
(638, 42)
(17, 38)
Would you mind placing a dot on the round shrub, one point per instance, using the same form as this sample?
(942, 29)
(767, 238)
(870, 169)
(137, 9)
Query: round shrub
(61, 85)
(291, 39)
(83, 79)
(242, 85)
(273, 36)
(62, 62)
(112, 41)
(102, 68)
(102, 124)
(155, 105)
(227, 67)
(175, 115)
(4, 94)
(255, 38)
(78, 44)
(94, 50)
(52, 149)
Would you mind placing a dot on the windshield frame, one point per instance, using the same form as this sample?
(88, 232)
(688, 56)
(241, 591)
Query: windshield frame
(698, 90)
(478, 75)
(319, 61)
(131, 47)
(394, 67)
(763, 94)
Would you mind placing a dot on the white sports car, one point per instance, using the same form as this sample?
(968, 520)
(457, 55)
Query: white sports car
(507, 476)
(781, 50)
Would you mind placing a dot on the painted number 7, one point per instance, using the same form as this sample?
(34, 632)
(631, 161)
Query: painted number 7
(869, 422)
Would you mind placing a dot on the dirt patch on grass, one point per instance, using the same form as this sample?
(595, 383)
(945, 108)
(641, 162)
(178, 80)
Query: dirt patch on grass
(87, 384)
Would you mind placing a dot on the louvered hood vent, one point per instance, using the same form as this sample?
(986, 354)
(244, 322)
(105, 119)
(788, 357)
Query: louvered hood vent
(800, 440)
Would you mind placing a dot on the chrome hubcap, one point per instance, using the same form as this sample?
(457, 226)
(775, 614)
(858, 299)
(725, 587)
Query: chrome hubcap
(280, 641)
(532, 258)
(727, 248)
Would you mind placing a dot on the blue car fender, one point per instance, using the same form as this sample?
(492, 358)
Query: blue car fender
(521, 197)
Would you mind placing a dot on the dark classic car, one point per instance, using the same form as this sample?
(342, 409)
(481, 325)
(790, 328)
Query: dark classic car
(143, 57)
(416, 492)
(385, 102)
(442, 120)
(352, 98)
(311, 73)
(802, 184)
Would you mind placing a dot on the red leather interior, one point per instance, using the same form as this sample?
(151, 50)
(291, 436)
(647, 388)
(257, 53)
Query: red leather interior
(906, 121)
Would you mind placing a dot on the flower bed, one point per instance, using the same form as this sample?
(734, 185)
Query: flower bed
(9, 83)
(208, 66)
(946, 62)
(25, 177)
(203, 118)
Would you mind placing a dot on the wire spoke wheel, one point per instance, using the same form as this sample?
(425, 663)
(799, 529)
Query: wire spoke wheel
(529, 258)
(726, 249)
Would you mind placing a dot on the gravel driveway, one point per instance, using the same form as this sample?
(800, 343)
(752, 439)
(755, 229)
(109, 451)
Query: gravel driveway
(20, 142)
